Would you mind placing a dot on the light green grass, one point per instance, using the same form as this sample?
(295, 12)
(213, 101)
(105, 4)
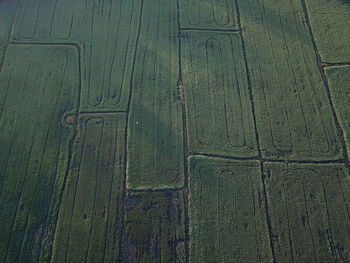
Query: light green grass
(330, 21)
(208, 14)
(155, 129)
(219, 112)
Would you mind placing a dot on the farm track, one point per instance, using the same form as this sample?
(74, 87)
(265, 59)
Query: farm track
(174, 131)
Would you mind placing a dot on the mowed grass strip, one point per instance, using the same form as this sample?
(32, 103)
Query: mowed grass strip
(294, 118)
(227, 212)
(219, 111)
(330, 22)
(155, 137)
(89, 217)
(154, 227)
(339, 84)
(106, 32)
(309, 211)
(208, 14)
(38, 87)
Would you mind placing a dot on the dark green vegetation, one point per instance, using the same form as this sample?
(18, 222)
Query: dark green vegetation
(219, 113)
(330, 20)
(89, 215)
(309, 211)
(294, 118)
(339, 83)
(106, 33)
(227, 212)
(154, 227)
(7, 14)
(38, 88)
(174, 131)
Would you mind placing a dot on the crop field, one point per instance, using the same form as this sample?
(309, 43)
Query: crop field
(196, 131)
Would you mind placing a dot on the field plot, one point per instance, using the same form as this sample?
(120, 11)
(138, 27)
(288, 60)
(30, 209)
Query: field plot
(208, 14)
(294, 118)
(174, 131)
(155, 148)
(106, 32)
(330, 21)
(309, 210)
(226, 210)
(339, 83)
(89, 216)
(219, 113)
(154, 228)
(38, 87)
(7, 14)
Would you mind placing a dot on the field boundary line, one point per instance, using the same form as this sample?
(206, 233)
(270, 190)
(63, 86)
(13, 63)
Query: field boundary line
(326, 85)
(185, 134)
(334, 64)
(124, 188)
(218, 30)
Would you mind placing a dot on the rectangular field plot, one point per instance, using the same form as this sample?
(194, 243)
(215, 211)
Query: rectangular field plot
(330, 22)
(226, 210)
(89, 216)
(309, 210)
(294, 117)
(106, 32)
(154, 228)
(155, 144)
(38, 87)
(219, 113)
(208, 14)
(339, 84)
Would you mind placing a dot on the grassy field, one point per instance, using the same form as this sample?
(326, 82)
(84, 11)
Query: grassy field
(174, 131)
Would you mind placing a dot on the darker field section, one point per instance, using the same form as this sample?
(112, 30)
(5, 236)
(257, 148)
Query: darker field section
(174, 131)
(36, 94)
(90, 213)
(312, 200)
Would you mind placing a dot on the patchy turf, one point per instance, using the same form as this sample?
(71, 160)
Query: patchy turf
(154, 227)
(330, 20)
(309, 211)
(174, 131)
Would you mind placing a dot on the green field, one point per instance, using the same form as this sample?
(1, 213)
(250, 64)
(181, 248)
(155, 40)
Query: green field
(174, 131)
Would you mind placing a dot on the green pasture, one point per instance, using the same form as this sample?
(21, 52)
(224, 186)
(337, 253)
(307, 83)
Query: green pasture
(174, 131)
